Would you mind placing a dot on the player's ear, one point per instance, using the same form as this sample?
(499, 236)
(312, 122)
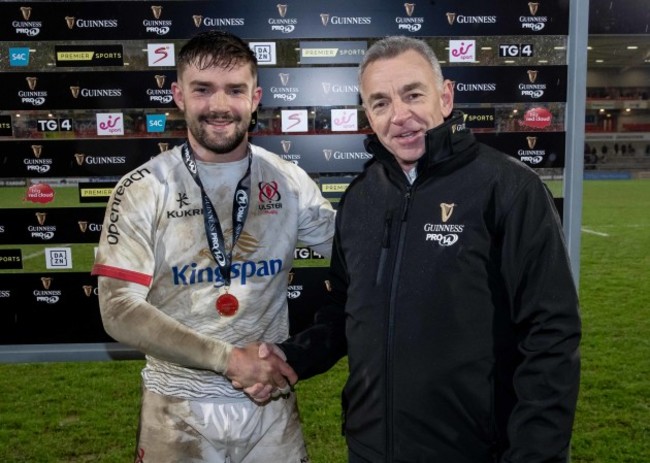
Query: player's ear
(177, 92)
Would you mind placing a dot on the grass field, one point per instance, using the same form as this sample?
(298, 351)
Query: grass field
(87, 412)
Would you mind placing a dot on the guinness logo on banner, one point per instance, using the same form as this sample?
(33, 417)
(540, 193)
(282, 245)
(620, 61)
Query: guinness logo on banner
(533, 7)
(79, 157)
(286, 145)
(410, 8)
(37, 150)
(26, 11)
(83, 226)
(40, 217)
(163, 147)
(74, 89)
(69, 20)
(446, 210)
(88, 290)
(198, 19)
(284, 78)
(160, 80)
(532, 141)
(156, 10)
(326, 87)
(328, 154)
(324, 18)
(451, 17)
(282, 10)
(46, 282)
(291, 277)
(31, 82)
(532, 76)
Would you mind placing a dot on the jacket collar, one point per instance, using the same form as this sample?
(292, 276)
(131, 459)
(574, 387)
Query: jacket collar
(446, 142)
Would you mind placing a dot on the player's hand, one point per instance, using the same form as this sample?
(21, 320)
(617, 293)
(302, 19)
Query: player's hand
(260, 371)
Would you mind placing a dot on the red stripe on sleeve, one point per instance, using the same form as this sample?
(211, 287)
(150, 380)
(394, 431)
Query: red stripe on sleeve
(121, 274)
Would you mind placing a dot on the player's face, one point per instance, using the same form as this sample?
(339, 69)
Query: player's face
(402, 102)
(218, 104)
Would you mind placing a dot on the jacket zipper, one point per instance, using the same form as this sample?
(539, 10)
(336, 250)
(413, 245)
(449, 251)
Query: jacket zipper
(385, 246)
(391, 316)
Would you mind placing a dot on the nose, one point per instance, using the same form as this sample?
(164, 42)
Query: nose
(400, 112)
(219, 101)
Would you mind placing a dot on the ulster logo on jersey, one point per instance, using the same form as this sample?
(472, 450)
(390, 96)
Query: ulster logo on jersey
(269, 197)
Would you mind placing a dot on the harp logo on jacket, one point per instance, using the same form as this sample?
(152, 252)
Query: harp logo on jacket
(445, 234)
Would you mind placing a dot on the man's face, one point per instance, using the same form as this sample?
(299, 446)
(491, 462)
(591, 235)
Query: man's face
(402, 102)
(218, 104)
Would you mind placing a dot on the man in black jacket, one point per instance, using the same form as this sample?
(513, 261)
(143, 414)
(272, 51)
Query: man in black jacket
(451, 290)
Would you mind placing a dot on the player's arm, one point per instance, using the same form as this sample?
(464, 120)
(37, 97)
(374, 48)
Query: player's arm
(317, 348)
(130, 319)
(316, 217)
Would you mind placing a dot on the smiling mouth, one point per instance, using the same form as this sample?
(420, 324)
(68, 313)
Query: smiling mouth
(408, 135)
(218, 121)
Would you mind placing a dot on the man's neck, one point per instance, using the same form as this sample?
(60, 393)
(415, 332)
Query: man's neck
(203, 154)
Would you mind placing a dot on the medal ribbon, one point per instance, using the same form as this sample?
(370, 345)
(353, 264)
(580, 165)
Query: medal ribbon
(213, 231)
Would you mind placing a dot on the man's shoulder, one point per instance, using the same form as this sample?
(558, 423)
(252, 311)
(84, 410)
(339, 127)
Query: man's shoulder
(500, 162)
(269, 161)
(158, 167)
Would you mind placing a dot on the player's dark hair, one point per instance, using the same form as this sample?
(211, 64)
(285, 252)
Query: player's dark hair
(216, 49)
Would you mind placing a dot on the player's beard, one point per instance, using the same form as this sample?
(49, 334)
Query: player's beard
(219, 144)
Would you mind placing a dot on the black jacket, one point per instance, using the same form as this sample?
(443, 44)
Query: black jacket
(456, 304)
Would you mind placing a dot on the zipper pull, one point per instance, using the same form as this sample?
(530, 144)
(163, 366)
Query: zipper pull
(407, 201)
(388, 221)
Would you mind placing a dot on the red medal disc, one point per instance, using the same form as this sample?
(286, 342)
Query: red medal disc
(227, 305)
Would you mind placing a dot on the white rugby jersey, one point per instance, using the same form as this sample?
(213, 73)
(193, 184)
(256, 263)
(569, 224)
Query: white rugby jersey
(153, 234)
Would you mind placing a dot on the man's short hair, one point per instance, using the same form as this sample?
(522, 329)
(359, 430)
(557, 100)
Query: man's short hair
(216, 49)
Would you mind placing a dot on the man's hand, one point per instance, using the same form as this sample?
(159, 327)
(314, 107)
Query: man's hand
(260, 371)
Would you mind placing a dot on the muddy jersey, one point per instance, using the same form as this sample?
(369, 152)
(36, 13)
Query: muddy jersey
(154, 234)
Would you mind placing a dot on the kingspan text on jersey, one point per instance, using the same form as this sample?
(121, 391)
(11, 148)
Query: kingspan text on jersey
(192, 274)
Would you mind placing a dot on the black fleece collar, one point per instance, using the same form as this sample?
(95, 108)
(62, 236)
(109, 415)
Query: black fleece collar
(445, 143)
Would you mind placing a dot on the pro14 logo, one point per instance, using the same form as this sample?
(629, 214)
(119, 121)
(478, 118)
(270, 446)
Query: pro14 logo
(516, 50)
(54, 125)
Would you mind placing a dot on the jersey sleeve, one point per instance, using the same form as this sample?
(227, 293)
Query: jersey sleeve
(126, 249)
(316, 216)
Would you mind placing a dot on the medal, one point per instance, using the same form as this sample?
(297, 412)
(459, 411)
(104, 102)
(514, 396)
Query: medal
(227, 305)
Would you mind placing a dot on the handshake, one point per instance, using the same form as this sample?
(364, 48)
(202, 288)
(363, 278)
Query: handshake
(261, 370)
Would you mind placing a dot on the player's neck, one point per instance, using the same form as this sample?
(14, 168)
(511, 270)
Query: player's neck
(203, 154)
